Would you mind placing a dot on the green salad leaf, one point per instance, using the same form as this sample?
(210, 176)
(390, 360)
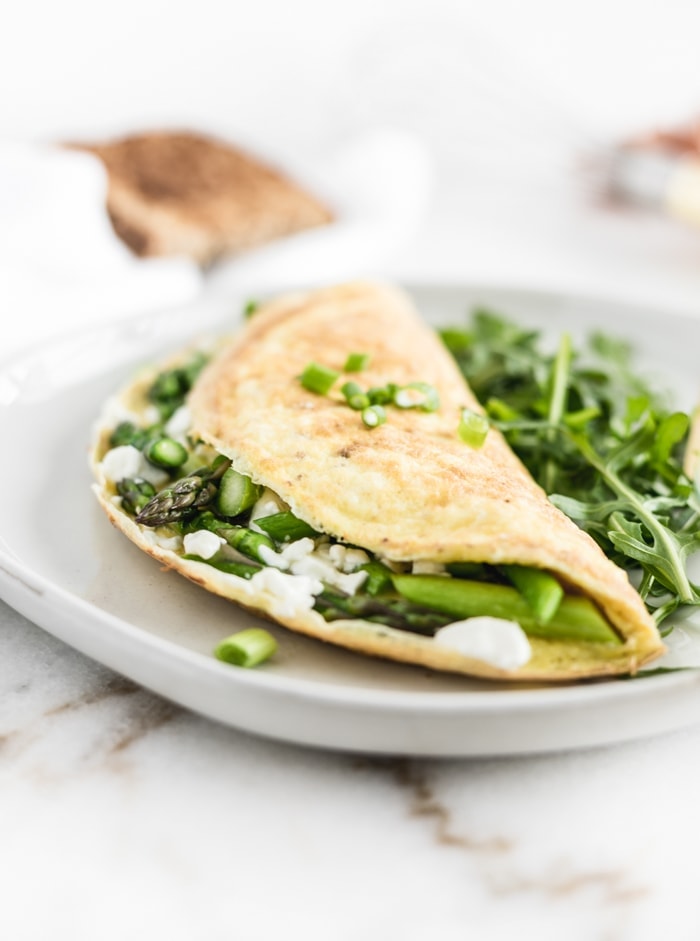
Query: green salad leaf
(605, 446)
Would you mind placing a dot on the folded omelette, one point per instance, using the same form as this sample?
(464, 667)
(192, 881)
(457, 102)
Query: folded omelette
(311, 469)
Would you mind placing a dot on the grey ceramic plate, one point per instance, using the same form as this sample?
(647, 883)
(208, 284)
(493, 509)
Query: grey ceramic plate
(63, 566)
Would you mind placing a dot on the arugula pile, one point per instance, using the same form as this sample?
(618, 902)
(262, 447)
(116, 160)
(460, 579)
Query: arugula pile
(605, 447)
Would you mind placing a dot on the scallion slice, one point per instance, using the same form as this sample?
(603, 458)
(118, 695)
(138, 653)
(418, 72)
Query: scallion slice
(356, 362)
(318, 378)
(373, 416)
(246, 648)
(473, 428)
(419, 395)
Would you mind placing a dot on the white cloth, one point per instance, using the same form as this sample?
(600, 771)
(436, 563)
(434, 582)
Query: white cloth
(62, 267)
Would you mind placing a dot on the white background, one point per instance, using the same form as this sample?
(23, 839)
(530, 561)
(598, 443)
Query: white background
(508, 95)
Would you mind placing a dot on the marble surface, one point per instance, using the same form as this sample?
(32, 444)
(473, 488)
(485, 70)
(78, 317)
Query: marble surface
(124, 816)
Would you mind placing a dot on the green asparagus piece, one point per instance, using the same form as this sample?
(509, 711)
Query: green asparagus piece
(242, 569)
(541, 590)
(391, 610)
(165, 452)
(238, 537)
(135, 493)
(576, 619)
(127, 432)
(186, 497)
(237, 493)
(378, 577)
(285, 527)
(170, 387)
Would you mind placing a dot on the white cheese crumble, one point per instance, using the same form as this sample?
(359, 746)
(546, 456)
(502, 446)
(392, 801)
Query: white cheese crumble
(121, 462)
(127, 461)
(203, 543)
(267, 504)
(179, 423)
(154, 538)
(305, 559)
(292, 594)
(346, 559)
(495, 641)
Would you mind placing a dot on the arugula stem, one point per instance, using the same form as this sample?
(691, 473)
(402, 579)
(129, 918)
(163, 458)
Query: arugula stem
(658, 531)
(560, 381)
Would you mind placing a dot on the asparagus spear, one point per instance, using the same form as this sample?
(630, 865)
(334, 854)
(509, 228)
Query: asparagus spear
(239, 537)
(135, 493)
(576, 619)
(389, 609)
(185, 497)
(541, 590)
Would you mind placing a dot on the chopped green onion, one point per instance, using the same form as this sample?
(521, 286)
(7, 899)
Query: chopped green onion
(358, 402)
(473, 428)
(285, 527)
(541, 590)
(351, 388)
(356, 362)
(317, 378)
(417, 395)
(237, 493)
(382, 395)
(355, 396)
(247, 648)
(373, 416)
(250, 309)
(165, 452)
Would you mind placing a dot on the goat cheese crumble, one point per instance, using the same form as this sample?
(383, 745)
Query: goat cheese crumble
(500, 643)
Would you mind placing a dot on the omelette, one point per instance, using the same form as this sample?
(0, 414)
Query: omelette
(320, 467)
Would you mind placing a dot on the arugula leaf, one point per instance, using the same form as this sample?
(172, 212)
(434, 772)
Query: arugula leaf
(603, 444)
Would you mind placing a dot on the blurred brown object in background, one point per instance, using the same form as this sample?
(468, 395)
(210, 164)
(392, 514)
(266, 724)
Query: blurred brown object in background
(683, 140)
(180, 193)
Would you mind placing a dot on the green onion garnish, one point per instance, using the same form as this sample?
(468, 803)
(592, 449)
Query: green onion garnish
(317, 378)
(356, 362)
(373, 416)
(250, 309)
(418, 395)
(247, 648)
(355, 396)
(473, 428)
(382, 395)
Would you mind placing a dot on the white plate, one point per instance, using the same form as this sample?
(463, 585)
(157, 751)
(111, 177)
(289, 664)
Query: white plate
(63, 566)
